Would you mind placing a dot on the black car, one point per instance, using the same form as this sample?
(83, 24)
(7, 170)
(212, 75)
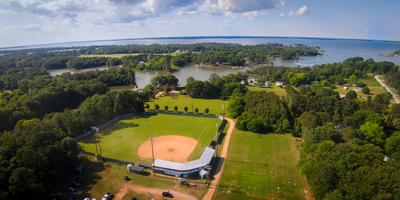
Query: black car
(167, 194)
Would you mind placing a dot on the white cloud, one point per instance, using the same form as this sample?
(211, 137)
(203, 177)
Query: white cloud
(303, 10)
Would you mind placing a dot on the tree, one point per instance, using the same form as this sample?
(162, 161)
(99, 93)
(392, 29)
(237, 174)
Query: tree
(236, 107)
(373, 132)
(392, 146)
(365, 90)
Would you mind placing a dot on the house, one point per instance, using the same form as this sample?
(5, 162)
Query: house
(174, 93)
(267, 84)
(161, 94)
(252, 82)
(357, 89)
(279, 83)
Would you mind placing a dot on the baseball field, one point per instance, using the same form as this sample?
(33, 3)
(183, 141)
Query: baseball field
(175, 138)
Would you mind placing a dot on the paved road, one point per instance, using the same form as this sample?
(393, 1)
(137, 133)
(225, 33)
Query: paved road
(395, 96)
(214, 183)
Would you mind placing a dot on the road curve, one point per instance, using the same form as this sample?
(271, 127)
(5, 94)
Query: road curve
(214, 183)
(395, 96)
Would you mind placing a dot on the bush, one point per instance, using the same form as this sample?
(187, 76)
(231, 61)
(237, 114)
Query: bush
(166, 108)
(206, 110)
(147, 106)
(176, 108)
(185, 108)
(157, 107)
(365, 90)
(196, 110)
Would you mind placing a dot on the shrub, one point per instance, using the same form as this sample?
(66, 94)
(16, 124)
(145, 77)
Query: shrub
(365, 90)
(157, 107)
(196, 110)
(166, 108)
(176, 108)
(207, 110)
(147, 106)
(185, 108)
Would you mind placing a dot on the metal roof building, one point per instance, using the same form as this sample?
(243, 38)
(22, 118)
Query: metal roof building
(187, 168)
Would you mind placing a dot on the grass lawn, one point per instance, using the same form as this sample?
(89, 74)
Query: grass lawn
(122, 139)
(120, 88)
(109, 55)
(216, 106)
(123, 54)
(277, 90)
(374, 87)
(99, 179)
(261, 167)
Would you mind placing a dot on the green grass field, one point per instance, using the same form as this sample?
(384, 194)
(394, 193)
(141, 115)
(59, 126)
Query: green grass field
(275, 89)
(122, 139)
(123, 54)
(109, 55)
(261, 167)
(216, 106)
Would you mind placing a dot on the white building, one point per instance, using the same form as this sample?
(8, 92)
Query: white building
(279, 83)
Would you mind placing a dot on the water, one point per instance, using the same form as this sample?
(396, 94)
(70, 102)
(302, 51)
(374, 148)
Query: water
(144, 77)
(335, 50)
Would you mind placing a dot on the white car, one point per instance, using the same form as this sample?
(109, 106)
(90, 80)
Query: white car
(107, 196)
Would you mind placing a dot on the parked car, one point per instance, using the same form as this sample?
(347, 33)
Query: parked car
(167, 194)
(107, 196)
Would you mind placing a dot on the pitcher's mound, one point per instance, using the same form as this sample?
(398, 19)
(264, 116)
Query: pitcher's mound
(171, 147)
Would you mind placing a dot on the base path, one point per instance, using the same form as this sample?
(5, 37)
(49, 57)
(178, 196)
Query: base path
(170, 147)
(155, 193)
(395, 96)
(214, 183)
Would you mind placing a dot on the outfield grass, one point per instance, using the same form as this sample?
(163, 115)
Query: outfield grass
(261, 167)
(275, 89)
(122, 139)
(216, 106)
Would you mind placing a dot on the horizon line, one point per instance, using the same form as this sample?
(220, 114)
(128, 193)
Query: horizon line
(187, 37)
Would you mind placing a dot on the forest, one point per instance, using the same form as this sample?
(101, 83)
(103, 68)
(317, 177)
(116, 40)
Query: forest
(153, 57)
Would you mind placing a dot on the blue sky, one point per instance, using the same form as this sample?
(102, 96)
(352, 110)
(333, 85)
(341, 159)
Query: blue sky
(26, 22)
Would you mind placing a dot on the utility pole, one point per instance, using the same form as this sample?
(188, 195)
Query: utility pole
(97, 143)
(152, 153)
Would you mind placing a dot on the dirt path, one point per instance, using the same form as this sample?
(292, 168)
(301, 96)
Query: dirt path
(151, 192)
(214, 183)
(395, 96)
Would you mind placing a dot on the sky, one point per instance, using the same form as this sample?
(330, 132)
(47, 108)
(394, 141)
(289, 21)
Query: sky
(25, 22)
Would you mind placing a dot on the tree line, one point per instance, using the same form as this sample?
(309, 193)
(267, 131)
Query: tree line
(155, 56)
